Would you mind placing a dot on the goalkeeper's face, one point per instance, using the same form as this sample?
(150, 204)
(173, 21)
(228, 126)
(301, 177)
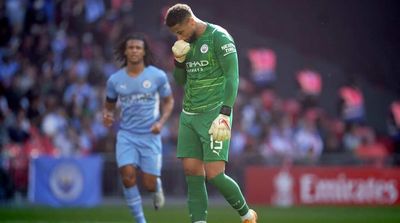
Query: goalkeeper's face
(134, 51)
(185, 30)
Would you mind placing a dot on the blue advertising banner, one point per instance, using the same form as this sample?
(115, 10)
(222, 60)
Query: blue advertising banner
(61, 182)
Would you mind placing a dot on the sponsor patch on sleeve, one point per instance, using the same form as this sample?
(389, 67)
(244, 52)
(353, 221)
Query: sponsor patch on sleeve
(228, 48)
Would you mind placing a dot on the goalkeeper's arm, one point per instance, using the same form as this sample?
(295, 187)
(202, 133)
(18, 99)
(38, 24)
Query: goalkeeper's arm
(220, 128)
(180, 49)
(179, 74)
(229, 64)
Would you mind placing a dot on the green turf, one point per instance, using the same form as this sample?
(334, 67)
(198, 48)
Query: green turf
(217, 214)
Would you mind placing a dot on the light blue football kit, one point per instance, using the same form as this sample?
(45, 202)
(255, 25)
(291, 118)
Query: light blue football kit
(139, 99)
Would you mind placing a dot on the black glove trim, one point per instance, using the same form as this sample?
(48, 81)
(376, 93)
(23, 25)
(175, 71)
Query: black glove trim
(111, 100)
(226, 110)
(179, 65)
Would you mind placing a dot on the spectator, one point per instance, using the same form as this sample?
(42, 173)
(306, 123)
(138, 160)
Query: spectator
(307, 139)
(310, 84)
(370, 149)
(394, 127)
(351, 104)
(280, 140)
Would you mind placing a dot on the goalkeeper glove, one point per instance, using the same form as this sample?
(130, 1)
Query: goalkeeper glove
(180, 49)
(221, 126)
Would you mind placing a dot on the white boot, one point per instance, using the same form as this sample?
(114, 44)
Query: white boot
(158, 196)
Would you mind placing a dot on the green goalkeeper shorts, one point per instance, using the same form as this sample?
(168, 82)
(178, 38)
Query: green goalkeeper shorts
(194, 140)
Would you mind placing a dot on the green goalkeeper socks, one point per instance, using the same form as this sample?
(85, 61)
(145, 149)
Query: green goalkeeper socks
(231, 191)
(197, 198)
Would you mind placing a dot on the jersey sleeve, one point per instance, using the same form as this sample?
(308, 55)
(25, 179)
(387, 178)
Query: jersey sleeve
(164, 88)
(179, 75)
(111, 93)
(227, 57)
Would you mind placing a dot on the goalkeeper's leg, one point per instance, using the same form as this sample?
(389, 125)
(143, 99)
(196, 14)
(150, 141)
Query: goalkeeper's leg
(189, 149)
(197, 192)
(229, 189)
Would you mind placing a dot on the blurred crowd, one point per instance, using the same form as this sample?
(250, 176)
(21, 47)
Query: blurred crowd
(55, 57)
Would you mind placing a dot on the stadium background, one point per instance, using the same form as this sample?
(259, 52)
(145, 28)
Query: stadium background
(56, 55)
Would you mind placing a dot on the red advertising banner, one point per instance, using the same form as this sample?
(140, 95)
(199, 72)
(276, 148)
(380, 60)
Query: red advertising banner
(322, 185)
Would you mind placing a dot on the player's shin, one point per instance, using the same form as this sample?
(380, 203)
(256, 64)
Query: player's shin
(197, 198)
(134, 202)
(231, 191)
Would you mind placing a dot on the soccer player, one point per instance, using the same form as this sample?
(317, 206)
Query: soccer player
(138, 87)
(206, 64)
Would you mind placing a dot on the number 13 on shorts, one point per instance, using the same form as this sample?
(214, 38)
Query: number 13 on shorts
(216, 146)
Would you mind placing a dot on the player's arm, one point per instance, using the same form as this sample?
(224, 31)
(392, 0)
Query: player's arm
(167, 104)
(108, 113)
(179, 73)
(180, 49)
(220, 129)
(109, 104)
(166, 108)
(228, 60)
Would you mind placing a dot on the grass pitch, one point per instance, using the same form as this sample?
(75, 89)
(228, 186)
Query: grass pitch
(217, 214)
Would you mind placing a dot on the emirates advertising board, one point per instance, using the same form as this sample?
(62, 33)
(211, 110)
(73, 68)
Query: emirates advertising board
(322, 186)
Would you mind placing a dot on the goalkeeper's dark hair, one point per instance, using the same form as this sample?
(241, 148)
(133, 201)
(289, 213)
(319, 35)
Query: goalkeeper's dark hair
(177, 14)
(119, 51)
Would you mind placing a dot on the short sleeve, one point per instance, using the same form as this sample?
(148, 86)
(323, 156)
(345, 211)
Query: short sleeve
(164, 88)
(111, 93)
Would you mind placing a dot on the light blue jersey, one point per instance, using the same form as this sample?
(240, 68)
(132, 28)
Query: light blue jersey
(139, 97)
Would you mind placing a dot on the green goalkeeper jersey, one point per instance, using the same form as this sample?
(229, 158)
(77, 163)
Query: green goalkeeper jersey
(210, 73)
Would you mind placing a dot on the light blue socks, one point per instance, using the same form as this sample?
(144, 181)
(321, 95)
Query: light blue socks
(134, 202)
(158, 185)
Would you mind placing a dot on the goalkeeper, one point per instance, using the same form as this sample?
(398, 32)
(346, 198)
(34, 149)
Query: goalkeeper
(206, 64)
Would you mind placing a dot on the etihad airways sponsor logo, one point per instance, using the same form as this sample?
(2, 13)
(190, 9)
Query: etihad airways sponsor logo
(200, 63)
(127, 100)
(342, 189)
(196, 66)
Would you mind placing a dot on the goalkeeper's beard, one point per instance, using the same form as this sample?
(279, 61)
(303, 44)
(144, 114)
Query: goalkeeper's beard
(192, 38)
